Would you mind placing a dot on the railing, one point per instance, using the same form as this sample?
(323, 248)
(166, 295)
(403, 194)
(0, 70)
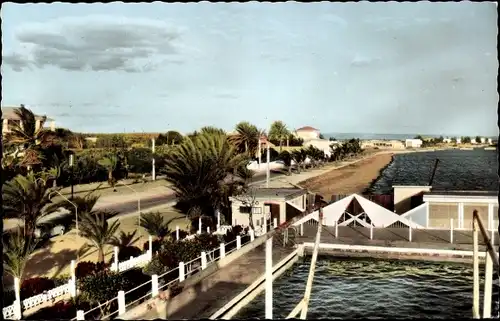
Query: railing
(167, 279)
(303, 305)
(491, 261)
(15, 310)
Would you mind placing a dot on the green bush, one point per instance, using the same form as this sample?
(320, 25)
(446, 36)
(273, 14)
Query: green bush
(154, 267)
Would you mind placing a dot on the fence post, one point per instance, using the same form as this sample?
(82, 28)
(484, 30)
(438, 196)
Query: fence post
(302, 229)
(203, 260)
(115, 249)
(222, 250)
(80, 315)
(336, 229)
(409, 232)
(72, 283)
(371, 231)
(238, 242)
(208, 229)
(199, 225)
(275, 221)
(18, 304)
(177, 232)
(182, 276)
(121, 302)
(154, 285)
(252, 235)
(451, 230)
(150, 239)
(488, 275)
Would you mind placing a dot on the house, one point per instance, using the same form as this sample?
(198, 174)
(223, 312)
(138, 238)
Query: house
(266, 204)
(459, 140)
(483, 140)
(413, 143)
(9, 119)
(447, 140)
(490, 141)
(307, 133)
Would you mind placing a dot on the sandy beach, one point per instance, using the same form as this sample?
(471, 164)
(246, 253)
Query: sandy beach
(354, 178)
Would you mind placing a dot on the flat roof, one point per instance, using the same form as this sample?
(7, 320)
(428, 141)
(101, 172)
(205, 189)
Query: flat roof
(462, 193)
(280, 193)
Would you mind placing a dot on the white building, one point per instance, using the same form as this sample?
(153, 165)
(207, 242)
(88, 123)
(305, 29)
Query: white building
(483, 140)
(307, 133)
(490, 141)
(10, 119)
(459, 140)
(413, 143)
(321, 144)
(447, 140)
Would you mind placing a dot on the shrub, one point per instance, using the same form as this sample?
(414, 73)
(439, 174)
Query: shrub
(60, 310)
(101, 287)
(8, 297)
(182, 234)
(126, 252)
(139, 160)
(35, 286)
(154, 267)
(207, 242)
(156, 246)
(135, 277)
(84, 269)
(62, 279)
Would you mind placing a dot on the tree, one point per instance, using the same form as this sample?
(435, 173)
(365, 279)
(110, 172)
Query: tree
(286, 158)
(210, 130)
(279, 132)
(248, 199)
(454, 140)
(155, 225)
(25, 136)
(170, 138)
(16, 252)
(321, 136)
(110, 163)
(95, 228)
(299, 157)
(478, 140)
(466, 140)
(247, 138)
(27, 198)
(203, 170)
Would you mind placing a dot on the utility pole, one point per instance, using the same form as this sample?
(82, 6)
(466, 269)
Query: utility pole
(268, 172)
(153, 161)
(260, 152)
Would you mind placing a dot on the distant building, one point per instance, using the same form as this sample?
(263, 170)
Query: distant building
(490, 141)
(321, 144)
(447, 140)
(382, 144)
(459, 140)
(413, 143)
(483, 140)
(307, 133)
(9, 119)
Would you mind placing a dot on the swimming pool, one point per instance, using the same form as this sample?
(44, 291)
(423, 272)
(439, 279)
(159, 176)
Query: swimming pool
(368, 288)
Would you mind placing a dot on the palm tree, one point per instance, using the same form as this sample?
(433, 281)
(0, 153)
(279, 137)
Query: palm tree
(155, 225)
(199, 170)
(212, 130)
(110, 163)
(125, 239)
(28, 198)
(247, 138)
(94, 227)
(17, 250)
(279, 132)
(29, 138)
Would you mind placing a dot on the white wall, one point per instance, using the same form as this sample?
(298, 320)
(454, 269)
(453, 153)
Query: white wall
(305, 135)
(321, 144)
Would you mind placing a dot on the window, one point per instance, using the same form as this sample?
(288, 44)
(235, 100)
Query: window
(245, 209)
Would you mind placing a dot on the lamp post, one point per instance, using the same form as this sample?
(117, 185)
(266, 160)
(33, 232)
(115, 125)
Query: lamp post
(153, 161)
(71, 158)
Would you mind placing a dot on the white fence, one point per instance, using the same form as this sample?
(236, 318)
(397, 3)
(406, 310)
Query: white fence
(156, 284)
(14, 311)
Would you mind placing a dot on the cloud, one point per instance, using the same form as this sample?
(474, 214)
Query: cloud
(98, 43)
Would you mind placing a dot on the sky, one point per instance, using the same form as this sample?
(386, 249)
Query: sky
(360, 67)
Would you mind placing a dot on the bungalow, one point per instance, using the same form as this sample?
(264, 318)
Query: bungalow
(9, 118)
(307, 133)
(267, 204)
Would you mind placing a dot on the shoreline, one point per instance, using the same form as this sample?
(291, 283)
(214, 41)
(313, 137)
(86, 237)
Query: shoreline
(369, 189)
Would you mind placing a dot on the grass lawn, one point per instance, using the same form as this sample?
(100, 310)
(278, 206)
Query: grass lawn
(54, 259)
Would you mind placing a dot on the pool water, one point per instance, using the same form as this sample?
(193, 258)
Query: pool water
(367, 288)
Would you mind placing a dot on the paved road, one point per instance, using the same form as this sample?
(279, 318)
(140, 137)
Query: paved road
(147, 203)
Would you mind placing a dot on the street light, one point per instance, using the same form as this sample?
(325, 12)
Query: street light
(138, 199)
(71, 156)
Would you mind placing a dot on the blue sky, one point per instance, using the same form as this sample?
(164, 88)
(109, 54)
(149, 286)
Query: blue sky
(356, 67)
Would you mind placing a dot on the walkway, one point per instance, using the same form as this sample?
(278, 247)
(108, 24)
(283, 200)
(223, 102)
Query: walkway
(213, 292)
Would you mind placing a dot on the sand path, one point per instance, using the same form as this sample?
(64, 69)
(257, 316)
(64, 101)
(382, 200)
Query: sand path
(350, 179)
